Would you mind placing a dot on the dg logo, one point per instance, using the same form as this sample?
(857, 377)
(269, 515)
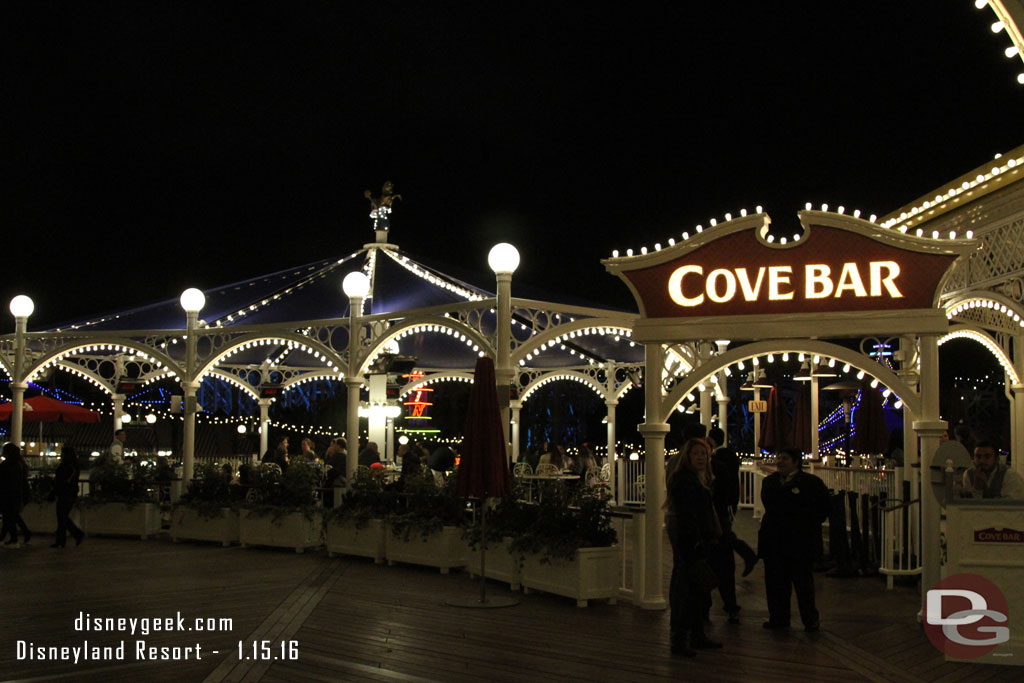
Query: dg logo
(966, 616)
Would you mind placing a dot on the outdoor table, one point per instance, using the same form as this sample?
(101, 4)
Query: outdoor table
(546, 477)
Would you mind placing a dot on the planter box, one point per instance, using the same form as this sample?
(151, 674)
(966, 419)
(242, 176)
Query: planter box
(499, 564)
(593, 573)
(444, 550)
(41, 518)
(292, 530)
(343, 537)
(188, 524)
(119, 519)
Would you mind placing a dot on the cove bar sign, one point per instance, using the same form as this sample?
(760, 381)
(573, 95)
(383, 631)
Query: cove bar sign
(837, 264)
(721, 283)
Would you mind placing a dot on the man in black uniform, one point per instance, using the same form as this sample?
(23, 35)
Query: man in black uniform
(795, 505)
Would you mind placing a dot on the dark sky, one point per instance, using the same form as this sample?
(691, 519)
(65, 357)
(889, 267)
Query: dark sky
(148, 147)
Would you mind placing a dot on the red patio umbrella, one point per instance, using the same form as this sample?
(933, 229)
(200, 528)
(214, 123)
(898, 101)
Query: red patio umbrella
(775, 426)
(46, 409)
(800, 433)
(483, 468)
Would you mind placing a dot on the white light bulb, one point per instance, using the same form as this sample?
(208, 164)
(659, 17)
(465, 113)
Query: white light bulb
(21, 306)
(192, 300)
(503, 258)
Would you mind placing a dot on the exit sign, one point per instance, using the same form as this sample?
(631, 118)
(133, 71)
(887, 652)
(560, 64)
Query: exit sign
(757, 406)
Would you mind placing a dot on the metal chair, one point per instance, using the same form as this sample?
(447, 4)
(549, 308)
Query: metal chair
(522, 469)
(547, 469)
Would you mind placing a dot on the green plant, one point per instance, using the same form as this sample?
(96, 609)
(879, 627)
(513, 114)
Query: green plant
(209, 492)
(425, 509)
(565, 520)
(509, 517)
(279, 494)
(365, 499)
(130, 484)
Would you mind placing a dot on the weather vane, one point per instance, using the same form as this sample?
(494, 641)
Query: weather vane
(381, 206)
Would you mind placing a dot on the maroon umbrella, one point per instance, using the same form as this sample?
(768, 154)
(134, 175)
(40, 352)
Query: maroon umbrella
(871, 436)
(46, 409)
(483, 469)
(775, 426)
(800, 433)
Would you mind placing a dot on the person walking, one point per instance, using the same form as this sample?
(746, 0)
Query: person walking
(14, 493)
(65, 491)
(795, 505)
(693, 529)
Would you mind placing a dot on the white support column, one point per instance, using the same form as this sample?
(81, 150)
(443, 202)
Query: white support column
(815, 419)
(612, 465)
(189, 432)
(18, 384)
(503, 350)
(706, 407)
(757, 424)
(1017, 428)
(653, 431)
(723, 412)
(515, 407)
(352, 426)
(929, 428)
(378, 423)
(118, 401)
(389, 441)
(264, 404)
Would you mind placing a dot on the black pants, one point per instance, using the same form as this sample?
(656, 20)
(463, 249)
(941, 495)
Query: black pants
(13, 522)
(783, 573)
(687, 603)
(64, 521)
(724, 563)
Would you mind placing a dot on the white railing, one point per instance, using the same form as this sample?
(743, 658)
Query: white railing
(865, 481)
(632, 481)
(629, 527)
(901, 540)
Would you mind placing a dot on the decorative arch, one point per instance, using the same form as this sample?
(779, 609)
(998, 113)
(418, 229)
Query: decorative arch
(555, 335)
(310, 377)
(319, 350)
(689, 382)
(410, 324)
(230, 379)
(100, 344)
(86, 374)
(435, 378)
(986, 299)
(986, 340)
(573, 375)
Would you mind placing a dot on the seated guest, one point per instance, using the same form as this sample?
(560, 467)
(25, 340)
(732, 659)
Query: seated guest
(408, 455)
(584, 460)
(989, 479)
(443, 459)
(556, 457)
(369, 455)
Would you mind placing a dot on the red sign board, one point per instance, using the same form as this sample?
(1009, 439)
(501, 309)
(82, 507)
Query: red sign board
(830, 270)
(992, 535)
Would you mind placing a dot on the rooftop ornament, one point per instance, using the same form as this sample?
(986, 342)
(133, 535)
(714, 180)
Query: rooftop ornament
(380, 209)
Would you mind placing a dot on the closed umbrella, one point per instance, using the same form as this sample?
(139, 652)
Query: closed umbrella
(800, 432)
(871, 435)
(483, 469)
(775, 426)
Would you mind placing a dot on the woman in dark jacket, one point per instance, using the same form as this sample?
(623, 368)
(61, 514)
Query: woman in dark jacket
(692, 528)
(65, 491)
(13, 494)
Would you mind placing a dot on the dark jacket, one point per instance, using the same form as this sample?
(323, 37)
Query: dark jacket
(793, 511)
(367, 457)
(443, 459)
(14, 490)
(692, 523)
(726, 466)
(65, 480)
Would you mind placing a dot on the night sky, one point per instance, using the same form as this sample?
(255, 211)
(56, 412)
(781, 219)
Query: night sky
(148, 147)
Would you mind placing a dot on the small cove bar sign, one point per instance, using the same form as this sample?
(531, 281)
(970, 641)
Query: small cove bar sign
(833, 265)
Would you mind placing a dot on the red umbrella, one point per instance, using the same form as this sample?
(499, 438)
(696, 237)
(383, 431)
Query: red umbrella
(775, 426)
(483, 468)
(871, 437)
(800, 434)
(46, 409)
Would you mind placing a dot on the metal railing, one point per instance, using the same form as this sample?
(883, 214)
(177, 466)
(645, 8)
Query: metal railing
(901, 540)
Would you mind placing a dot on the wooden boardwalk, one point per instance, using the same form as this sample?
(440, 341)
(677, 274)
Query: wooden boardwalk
(356, 621)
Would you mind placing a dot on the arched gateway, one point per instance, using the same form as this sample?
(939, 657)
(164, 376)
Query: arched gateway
(839, 278)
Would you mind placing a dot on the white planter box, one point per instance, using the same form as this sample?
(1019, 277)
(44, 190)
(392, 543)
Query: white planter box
(592, 574)
(499, 564)
(119, 519)
(444, 550)
(343, 537)
(291, 530)
(41, 518)
(188, 524)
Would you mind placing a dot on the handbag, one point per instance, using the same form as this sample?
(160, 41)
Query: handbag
(701, 575)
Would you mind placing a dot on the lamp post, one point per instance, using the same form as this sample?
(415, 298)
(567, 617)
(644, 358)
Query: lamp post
(21, 309)
(192, 300)
(356, 286)
(503, 260)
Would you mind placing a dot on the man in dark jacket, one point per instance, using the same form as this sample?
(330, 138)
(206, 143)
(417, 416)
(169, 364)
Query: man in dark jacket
(726, 466)
(443, 459)
(795, 505)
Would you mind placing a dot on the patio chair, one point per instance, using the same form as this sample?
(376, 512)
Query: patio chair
(547, 469)
(522, 469)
